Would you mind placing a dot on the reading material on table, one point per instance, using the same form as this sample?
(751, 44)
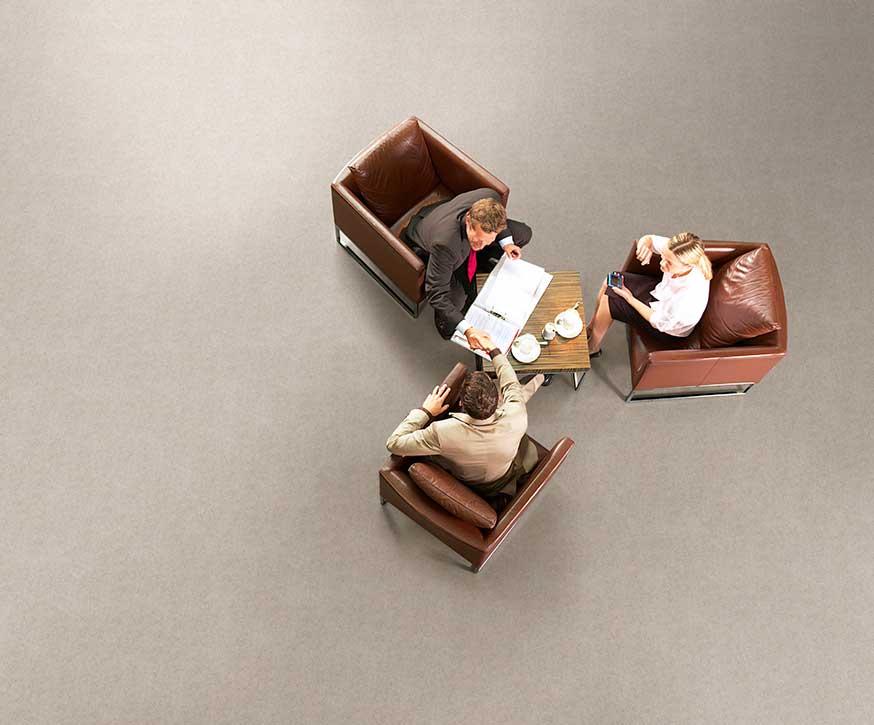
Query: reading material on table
(506, 301)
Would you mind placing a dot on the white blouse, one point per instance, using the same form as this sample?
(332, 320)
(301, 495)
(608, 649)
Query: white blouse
(680, 301)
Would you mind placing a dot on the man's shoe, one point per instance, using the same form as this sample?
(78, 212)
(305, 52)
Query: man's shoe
(499, 501)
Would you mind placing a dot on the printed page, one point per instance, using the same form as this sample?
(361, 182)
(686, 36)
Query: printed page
(501, 332)
(513, 290)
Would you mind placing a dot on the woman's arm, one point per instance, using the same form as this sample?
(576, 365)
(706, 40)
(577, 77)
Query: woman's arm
(648, 244)
(657, 243)
(646, 312)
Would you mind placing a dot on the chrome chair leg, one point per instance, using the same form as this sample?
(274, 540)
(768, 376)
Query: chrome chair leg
(412, 308)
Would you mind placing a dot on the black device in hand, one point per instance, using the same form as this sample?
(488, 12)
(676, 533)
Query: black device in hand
(615, 279)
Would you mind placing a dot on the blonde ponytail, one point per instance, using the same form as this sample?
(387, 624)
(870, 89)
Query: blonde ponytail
(688, 249)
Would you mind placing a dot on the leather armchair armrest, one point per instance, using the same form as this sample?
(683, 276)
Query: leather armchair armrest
(454, 381)
(373, 237)
(456, 169)
(405, 495)
(715, 353)
(538, 478)
(396, 463)
(633, 265)
(401, 249)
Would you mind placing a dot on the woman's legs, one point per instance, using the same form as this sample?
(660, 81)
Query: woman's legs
(600, 321)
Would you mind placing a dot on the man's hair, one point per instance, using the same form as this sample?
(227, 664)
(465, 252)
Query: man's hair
(489, 214)
(479, 395)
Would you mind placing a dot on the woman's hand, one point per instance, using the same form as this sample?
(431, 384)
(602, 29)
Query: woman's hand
(644, 249)
(642, 308)
(624, 293)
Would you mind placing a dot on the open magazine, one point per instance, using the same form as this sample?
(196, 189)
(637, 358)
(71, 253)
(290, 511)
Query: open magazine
(505, 302)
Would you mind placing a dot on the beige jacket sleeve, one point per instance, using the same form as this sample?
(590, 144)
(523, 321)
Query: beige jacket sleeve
(413, 438)
(511, 389)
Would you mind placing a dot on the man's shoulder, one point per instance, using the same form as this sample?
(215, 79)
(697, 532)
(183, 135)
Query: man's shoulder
(469, 197)
(449, 423)
(447, 429)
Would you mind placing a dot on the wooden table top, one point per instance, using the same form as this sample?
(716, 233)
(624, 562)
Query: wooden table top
(561, 355)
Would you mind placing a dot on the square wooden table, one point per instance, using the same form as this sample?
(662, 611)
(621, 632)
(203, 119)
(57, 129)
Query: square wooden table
(561, 355)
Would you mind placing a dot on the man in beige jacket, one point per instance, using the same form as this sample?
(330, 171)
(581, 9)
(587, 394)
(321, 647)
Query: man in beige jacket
(480, 445)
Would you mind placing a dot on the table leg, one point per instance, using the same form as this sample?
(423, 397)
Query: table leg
(578, 379)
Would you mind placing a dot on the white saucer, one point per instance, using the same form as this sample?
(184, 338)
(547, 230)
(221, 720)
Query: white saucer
(519, 355)
(568, 332)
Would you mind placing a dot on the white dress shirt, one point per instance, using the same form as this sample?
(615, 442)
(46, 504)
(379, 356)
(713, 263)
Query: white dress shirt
(680, 301)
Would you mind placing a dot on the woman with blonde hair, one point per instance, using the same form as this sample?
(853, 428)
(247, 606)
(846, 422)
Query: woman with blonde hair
(668, 308)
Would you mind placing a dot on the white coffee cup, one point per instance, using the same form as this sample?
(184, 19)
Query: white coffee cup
(569, 318)
(526, 344)
(548, 331)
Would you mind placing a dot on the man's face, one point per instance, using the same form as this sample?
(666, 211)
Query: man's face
(476, 236)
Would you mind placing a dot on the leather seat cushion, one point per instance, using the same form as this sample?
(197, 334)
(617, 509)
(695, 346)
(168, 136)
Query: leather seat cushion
(437, 194)
(395, 172)
(743, 300)
(641, 344)
(452, 495)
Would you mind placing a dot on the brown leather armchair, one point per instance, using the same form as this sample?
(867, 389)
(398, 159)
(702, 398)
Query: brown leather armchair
(691, 366)
(384, 186)
(474, 544)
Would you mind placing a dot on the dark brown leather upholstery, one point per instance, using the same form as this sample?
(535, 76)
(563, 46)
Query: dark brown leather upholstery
(454, 380)
(396, 172)
(437, 194)
(688, 362)
(473, 543)
(742, 303)
(377, 239)
(447, 491)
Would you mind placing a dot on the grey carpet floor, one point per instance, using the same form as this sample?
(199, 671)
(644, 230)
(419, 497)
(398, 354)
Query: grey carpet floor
(197, 382)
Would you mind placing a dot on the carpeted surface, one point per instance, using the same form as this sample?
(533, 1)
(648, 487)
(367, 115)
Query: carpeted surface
(198, 382)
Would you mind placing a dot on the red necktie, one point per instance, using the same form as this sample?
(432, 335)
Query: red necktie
(471, 266)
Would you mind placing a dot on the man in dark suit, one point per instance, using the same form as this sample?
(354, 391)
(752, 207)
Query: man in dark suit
(459, 237)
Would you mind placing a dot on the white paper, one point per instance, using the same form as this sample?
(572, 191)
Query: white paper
(502, 333)
(505, 302)
(513, 290)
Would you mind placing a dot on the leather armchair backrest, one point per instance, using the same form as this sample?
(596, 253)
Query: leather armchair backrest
(395, 171)
(452, 495)
(744, 301)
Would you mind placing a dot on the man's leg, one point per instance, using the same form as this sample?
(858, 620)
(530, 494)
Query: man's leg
(532, 386)
(461, 300)
(409, 236)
